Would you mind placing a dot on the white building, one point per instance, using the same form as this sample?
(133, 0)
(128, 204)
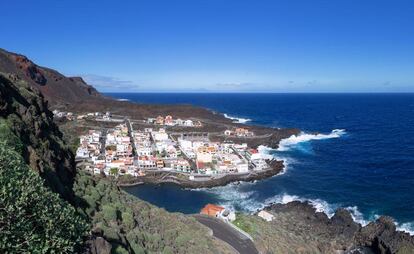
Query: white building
(266, 215)
(82, 152)
(188, 123)
(242, 167)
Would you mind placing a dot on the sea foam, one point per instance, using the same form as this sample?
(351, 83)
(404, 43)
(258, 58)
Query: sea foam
(288, 143)
(237, 119)
(407, 227)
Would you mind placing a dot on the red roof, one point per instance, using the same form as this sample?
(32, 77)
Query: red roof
(211, 210)
(200, 164)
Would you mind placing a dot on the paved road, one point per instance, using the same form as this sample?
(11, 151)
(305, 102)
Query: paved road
(226, 233)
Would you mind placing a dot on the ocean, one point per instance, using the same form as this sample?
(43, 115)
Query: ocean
(362, 160)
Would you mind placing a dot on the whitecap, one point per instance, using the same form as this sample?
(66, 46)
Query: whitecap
(407, 227)
(319, 204)
(123, 100)
(270, 153)
(237, 119)
(287, 143)
(357, 216)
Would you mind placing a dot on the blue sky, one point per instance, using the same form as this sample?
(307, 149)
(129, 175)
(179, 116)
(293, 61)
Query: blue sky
(219, 45)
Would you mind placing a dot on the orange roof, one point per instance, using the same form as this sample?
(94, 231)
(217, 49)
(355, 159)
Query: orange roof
(211, 210)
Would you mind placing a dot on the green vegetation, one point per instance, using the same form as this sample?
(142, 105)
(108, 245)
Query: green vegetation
(132, 225)
(32, 218)
(244, 223)
(114, 171)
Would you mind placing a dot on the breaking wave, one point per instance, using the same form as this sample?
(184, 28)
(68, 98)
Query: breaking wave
(407, 227)
(237, 119)
(123, 100)
(270, 153)
(288, 143)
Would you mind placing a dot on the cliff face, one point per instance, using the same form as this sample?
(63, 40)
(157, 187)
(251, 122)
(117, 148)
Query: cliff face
(25, 112)
(56, 88)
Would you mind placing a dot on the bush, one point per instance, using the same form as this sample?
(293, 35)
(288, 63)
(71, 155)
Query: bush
(119, 250)
(109, 212)
(128, 220)
(32, 218)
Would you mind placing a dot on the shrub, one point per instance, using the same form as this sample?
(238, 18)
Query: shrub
(128, 220)
(32, 218)
(109, 212)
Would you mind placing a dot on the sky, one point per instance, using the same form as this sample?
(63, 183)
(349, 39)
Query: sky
(219, 45)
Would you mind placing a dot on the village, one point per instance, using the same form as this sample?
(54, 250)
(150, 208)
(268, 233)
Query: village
(135, 150)
(124, 150)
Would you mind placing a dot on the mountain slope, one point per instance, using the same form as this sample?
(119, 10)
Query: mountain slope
(55, 87)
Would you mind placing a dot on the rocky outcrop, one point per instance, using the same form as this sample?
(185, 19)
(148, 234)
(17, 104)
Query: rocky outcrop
(25, 111)
(340, 232)
(382, 237)
(98, 245)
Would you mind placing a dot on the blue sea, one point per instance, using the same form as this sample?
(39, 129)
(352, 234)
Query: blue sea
(363, 160)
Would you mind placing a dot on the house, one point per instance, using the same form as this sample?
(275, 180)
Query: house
(228, 215)
(179, 122)
(82, 152)
(160, 135)
(243, 132)
(228, 132)
(159, 120)
(144, 151)
(169, 120)
(266, 215)
(188, 123)
(204, 157)
(180, 165)
(242, 167)
(160, 164)
(147, 162)
(212, 210)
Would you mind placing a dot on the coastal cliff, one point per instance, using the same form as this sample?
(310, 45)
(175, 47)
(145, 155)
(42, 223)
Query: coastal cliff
(297, 227)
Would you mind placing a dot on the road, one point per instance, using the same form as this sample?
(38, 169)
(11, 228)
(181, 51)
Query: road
(226, 233)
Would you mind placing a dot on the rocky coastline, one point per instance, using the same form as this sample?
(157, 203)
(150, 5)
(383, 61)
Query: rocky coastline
(157, 177)
(315, 231)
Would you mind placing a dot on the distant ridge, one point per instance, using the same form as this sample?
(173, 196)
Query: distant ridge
(55, 87)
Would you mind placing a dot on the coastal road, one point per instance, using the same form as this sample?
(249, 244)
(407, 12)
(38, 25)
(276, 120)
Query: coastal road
(228, 234)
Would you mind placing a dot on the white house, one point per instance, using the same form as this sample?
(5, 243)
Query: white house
(82, 152)
(228, 132)
(242, 167)
(188, 123)
(265, 215)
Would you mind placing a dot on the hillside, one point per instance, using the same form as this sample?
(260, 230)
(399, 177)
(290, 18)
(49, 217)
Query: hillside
(73, 93)
(46, 206)
(55, 87)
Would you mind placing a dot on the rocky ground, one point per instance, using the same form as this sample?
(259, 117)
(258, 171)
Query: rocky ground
(298, 228)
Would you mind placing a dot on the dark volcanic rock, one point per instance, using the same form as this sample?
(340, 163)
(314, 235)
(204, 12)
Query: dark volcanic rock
(99, 245)
(341, 232)
(382, 236)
